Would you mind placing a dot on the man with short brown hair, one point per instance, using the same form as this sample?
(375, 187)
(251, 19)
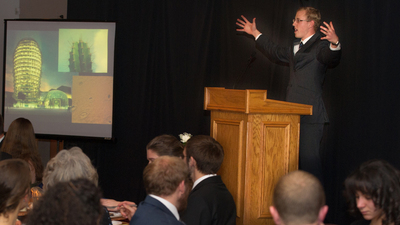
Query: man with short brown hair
(308, 58)
(164, 181)
(209, 202)
(298, 198)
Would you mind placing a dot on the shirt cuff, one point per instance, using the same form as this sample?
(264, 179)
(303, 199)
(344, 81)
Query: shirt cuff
(335, 49)
(258, 36)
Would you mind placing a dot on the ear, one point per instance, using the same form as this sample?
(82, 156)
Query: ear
(275, 215)
(322, 213)
(311, 24)
(192, 162)
(181, 187)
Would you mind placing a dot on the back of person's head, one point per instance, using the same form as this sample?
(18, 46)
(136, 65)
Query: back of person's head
(20, 138)
(20, 142)
(207, 152)
(298, 197)
(14, 184)
(166, 145)
(380, 181)
(312, 14)
(163, 176)
(68, 203)
(68, 165)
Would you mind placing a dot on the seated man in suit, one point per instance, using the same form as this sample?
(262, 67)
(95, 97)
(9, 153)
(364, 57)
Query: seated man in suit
(164, 181)
(298, 198)
(209, 202)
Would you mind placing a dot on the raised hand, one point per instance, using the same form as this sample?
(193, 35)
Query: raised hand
(246, 26)
(330, 34)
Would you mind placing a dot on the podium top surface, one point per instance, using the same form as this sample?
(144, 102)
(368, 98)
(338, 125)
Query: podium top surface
(249, 101)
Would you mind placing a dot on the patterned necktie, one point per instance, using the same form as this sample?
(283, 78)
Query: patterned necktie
(300, 45)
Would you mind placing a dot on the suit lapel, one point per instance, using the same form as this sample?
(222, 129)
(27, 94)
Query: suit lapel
(308, 44)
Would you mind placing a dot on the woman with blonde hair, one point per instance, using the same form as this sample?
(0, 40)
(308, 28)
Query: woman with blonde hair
(14, 187)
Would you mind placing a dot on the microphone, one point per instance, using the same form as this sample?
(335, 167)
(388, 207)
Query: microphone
(250, 61)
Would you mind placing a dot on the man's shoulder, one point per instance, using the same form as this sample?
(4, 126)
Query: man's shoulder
(152, 212)
(211, 189)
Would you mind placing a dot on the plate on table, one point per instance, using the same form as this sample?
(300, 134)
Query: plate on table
(114, 222)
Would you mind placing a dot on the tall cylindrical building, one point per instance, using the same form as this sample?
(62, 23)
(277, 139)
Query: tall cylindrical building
(27, 71)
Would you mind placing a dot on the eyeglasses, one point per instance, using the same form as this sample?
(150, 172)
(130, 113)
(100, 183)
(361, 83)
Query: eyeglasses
(297, 20)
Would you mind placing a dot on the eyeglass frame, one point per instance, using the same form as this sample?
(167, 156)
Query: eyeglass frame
(297, 20)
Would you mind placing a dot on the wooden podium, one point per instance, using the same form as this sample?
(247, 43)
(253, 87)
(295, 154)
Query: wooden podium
(260, 138)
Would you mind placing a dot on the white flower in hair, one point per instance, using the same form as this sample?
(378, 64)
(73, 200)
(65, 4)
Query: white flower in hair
(185, 137)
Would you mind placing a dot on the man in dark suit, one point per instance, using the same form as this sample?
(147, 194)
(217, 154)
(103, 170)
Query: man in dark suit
(164, 180)
(298, 198)
(308, 59)
(209, 202)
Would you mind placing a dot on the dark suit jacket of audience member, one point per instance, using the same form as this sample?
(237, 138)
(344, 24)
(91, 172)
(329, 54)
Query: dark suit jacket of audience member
(209, 203)
(151, 211)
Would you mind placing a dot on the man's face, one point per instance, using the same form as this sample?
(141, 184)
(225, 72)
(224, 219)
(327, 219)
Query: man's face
(302, 27)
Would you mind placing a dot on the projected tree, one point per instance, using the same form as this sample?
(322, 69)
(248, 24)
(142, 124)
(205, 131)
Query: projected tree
(80, 59)
(27, 72)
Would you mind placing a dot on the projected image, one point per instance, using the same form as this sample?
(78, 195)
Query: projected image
(60, 76)
(83, 50)
(31, 79)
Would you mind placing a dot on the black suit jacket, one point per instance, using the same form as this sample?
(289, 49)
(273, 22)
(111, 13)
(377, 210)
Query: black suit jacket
(307, 72)
(151, 212)
(210, 203)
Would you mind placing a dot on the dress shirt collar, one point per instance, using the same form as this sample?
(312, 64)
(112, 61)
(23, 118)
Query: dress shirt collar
(167, 204)
(202, 178)
(296, 46)
(305, 40)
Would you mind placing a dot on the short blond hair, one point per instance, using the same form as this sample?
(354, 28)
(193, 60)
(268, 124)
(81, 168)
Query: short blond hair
(312, 14)
(298, 197)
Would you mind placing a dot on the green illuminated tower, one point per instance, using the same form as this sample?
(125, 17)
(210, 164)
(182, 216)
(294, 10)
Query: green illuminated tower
(27, 71)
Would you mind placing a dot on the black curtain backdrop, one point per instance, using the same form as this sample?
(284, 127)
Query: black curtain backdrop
(168, 51)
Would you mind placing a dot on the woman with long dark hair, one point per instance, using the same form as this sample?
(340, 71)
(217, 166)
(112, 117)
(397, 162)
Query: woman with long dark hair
(20, 142)
(14, 187)
(373, 192)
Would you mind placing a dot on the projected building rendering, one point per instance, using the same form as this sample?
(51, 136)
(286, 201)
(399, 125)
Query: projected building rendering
(27, 72)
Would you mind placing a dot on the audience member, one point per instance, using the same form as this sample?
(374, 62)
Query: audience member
(68, 203)
(20, 142)
(159, 146)
(68, 165)
(14, 187)
(373, 192)
(3, 155)
(164, 181)
(164, 145)
(209, 202)
(298, 198)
